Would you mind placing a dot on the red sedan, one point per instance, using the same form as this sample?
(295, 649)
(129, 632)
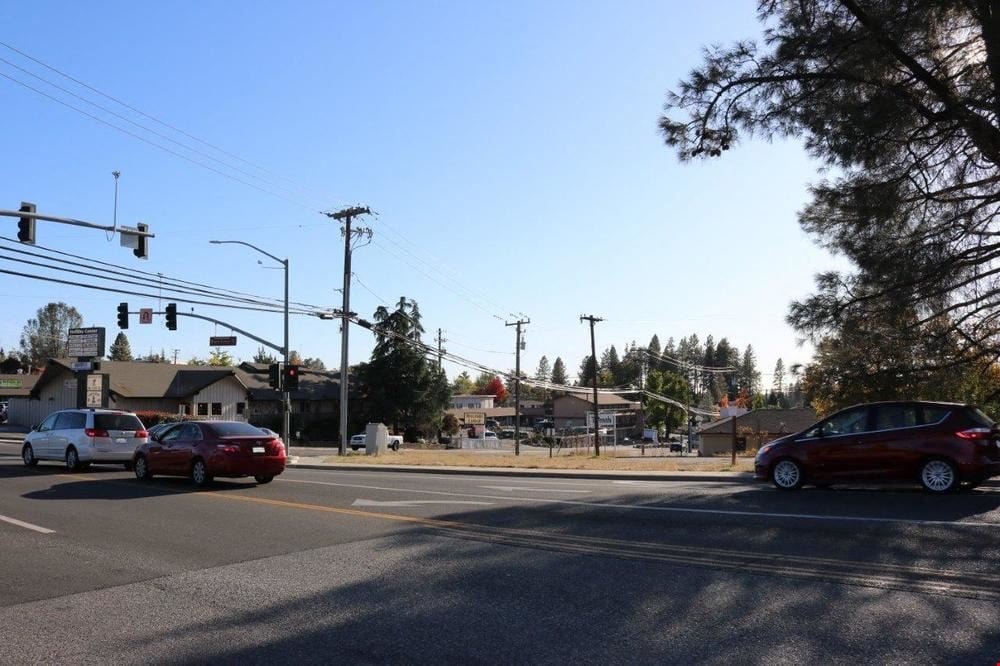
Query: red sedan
(204, 450)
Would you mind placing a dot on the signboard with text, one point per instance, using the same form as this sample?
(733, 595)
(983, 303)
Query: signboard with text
(475, 418)
(607, 419)
(85, 342)
(222, 341)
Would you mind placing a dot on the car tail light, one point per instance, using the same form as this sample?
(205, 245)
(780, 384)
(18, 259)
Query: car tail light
(228, 448)
(141, 433)
(276, 446)
(975, 433)
(95, 432)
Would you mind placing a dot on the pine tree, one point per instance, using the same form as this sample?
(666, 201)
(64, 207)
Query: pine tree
(120, 349)
(559, 372)
(749, 375)
(779, 377)
(264, 356)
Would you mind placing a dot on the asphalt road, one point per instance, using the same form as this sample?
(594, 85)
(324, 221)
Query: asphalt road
(372, 567)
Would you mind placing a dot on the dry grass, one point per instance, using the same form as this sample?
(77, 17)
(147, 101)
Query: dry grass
(572, 461)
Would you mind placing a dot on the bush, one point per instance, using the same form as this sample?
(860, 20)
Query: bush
(151, 418)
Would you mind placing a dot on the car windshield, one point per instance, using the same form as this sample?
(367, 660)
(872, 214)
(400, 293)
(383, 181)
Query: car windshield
(117, 422)
(235, 429)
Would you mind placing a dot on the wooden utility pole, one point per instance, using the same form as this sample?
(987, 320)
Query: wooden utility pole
(346, 216)
(593, 355)
(440, 350)
(517, 385)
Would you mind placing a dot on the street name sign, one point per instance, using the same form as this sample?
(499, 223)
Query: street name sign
(222, 341)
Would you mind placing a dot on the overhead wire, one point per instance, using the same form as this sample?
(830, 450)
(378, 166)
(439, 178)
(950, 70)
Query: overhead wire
(159, 277)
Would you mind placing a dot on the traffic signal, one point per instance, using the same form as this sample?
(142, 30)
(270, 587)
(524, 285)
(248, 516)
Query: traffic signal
(291, 378)
(26, 225)
(142, 246)
(274, 376)
(123, 315)
(172, 316)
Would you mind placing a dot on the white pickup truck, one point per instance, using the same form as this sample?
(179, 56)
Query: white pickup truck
(358, 442)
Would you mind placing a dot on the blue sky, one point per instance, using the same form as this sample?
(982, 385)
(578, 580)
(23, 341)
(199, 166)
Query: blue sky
(509, 149)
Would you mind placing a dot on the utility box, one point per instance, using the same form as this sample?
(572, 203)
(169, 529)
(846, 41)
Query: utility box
(376, 439)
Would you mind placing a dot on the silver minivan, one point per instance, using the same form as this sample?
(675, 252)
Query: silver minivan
(78, 437)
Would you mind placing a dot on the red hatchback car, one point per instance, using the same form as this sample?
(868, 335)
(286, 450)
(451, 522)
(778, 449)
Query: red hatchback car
(939, 444)
(204, 450)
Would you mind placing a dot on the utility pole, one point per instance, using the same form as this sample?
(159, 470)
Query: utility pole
(176, 351)
(440, 350)
(346, 216)
(517, 385)
(593, 355)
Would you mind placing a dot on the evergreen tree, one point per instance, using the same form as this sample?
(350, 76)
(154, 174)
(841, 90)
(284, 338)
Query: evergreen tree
(749, 376)
(559, 372)
(544, 371)
(404, 389)
(611, 367)
(264, 356)
(220, 357)
(588, 370)
(120, 349)
(779, 377)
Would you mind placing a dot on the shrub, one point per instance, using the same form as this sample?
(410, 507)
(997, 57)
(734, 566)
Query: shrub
(151, 418)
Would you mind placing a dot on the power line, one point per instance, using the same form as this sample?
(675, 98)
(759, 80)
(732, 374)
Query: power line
(118, 101)
(153, 143)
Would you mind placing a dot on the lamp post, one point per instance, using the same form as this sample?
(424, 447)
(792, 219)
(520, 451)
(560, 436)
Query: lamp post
(285, 416)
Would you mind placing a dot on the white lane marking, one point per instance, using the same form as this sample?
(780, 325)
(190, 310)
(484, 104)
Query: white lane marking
(510, 489)
(666, 509)
(29, 526)
(368, 502)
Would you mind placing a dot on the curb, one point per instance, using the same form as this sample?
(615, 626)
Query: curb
(704, 477)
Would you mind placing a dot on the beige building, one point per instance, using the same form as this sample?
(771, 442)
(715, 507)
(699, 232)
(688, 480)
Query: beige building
(759, 427)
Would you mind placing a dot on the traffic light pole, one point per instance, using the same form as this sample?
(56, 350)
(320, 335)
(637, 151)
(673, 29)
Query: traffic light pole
(266, 343)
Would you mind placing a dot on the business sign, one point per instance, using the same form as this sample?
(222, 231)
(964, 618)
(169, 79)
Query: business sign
(145, 315)
(607, 419)
(475, 418)
(10, 383)
(222, 341)
(81, 366)
(85, 342)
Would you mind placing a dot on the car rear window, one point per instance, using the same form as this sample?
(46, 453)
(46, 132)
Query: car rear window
(117, 422)
(978, 418)
(235, 429)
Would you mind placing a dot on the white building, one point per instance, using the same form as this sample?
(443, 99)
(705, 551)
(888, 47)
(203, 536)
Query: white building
(472, 401)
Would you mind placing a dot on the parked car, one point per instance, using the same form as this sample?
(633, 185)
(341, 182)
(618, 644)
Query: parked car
(159, 427)
(204, 450)
(358, 442)
(938, 444)
(79, 437)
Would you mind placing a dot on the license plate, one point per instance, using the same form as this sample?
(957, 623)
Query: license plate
(120, 440)
(258, 449)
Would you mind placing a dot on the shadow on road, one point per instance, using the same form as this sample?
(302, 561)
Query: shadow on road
(128, 489)
(453, 600)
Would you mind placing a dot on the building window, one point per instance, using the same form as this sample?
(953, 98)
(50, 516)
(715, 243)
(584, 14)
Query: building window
(183, 409)
(202, 409)
(241, 408)
(216, 409)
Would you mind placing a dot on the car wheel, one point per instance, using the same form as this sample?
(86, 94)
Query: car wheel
(72, 459)
(395, 446)
(199, 473)
(141, 468)
(786, 475)
(937, 475)
(28, 456)
(262, 479)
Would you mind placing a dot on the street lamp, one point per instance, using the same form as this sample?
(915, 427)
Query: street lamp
(285, 425)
